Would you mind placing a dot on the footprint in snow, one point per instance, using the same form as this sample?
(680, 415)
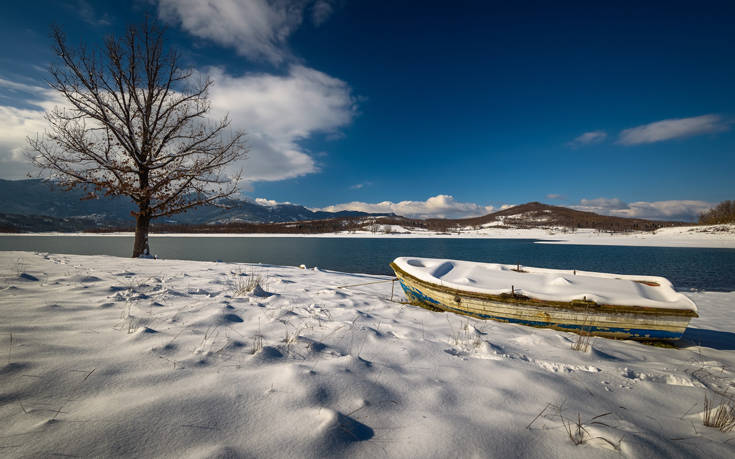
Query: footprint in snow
(341, 428)
(231, 318)
(28, 277)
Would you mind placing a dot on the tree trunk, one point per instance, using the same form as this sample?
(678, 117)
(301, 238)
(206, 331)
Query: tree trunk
(142, 223)
(142, 218)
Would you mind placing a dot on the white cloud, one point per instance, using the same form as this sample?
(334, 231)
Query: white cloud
(85, 11)
(555, 196)
(269, 202)
(603, 203)
(588, 138)
(277, 112)
(320, 11)
(440, 206)
(683, 210)
(15, 87)
(15, 125)
(257, 29)
(20, 121)
(359, 186)
(672, 129)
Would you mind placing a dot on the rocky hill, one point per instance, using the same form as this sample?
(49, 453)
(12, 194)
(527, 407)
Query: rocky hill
(536, 214)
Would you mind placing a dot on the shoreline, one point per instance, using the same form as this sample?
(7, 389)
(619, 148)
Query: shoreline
(713, 236)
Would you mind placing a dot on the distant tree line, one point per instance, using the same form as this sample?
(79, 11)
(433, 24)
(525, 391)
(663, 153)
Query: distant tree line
(723, 212)
(383, 224)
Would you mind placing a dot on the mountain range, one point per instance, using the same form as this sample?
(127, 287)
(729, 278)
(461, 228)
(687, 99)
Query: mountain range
(34, 205)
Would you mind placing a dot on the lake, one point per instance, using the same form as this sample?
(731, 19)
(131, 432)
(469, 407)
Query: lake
(687, 268)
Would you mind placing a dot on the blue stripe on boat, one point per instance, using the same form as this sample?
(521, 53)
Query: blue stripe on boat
(418, 295)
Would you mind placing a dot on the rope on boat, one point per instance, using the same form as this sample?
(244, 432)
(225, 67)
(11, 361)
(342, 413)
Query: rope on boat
(401, 302)
(392, 287)
(367, 283)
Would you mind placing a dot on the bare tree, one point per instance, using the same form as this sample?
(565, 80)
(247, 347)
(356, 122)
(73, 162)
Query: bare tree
(134, 124)
(723, 212)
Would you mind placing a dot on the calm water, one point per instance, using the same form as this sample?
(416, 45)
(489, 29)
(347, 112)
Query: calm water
(687, 268)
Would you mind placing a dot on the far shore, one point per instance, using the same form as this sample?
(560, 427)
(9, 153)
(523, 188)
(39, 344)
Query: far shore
(713, 236)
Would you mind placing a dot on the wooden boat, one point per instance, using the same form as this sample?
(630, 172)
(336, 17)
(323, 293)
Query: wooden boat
(611, 305)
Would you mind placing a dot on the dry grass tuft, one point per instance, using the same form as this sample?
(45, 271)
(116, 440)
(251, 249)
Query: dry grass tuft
(584, 335)
(583, 341)
(10, 349)
(719, 412)
(257, 344)
(246, 283)
(578, 431)
(257, 340)
(19, 266)
(467, 337)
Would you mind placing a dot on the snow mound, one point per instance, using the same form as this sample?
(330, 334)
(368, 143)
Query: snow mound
(258, 291)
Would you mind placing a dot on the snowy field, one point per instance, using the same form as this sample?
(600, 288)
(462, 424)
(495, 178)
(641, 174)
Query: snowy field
(713, 236)
(104, 356)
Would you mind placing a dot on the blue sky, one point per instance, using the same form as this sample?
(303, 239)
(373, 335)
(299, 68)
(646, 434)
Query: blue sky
(435, 108)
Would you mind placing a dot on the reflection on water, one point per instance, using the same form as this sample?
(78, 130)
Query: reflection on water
(687, 268)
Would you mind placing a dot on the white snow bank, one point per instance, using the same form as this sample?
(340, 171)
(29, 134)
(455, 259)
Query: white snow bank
(706, 236)
(109, 357)
(548, 284)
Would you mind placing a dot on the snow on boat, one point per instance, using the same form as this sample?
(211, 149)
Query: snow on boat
(611, 305)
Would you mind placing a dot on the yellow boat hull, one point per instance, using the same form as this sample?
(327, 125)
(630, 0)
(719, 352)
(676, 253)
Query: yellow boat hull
(611, 321)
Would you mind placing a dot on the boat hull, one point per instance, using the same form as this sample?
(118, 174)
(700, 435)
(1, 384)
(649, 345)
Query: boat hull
(620, 322)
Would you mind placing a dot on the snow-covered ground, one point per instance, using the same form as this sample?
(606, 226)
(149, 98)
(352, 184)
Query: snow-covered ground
(714, 236)
(103, 356)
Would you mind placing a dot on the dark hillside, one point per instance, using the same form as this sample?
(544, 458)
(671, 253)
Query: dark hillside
(536, 214)
(531, 215)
